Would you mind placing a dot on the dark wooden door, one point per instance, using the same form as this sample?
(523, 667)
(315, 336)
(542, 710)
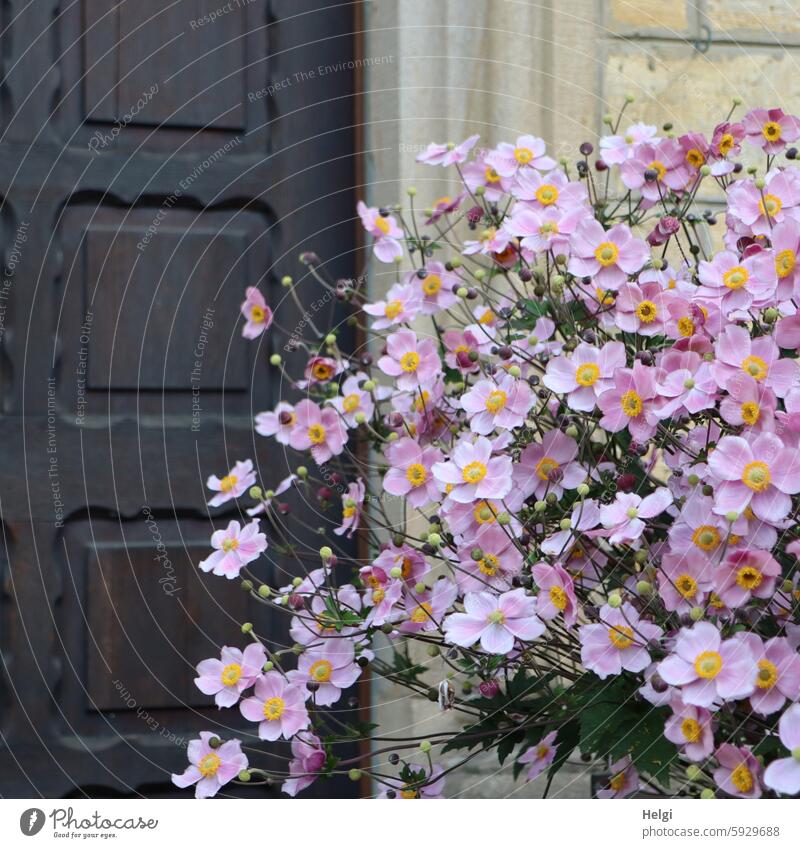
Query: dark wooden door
(156, 158)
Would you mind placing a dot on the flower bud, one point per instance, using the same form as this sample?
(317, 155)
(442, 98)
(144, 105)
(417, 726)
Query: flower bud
(643, 587)
(354, 774)
(425, 746)
(434, 539)
(275, 359)
(707, 793)
(693, 772)
(264, 591)
(255, 493)
(247, 627)
(615, 600)
(325, 552)
(582, 490)
(696, 613)
(244, 776)
(565, 523)
(369, 386)
(286, 281)
(395, 572)
(731, 516)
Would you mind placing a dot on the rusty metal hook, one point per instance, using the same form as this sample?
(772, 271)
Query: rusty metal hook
(703, 45)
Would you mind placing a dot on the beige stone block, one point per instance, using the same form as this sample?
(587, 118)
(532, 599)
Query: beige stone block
(647, 15)
(769, 20)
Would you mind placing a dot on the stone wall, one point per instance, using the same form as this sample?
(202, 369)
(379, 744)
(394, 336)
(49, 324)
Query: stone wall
(445, 69)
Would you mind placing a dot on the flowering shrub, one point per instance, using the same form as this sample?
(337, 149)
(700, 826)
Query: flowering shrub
(583, 517)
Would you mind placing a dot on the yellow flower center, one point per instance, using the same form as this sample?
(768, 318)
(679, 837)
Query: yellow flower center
(742, 778)
(322, 371)
(316, 434)
(257, 314)
(771, 131)
(548, 227)
(523, 155)
(785, 262)
(749, 577)
(715, 601)
(487, 317)
(756, 476)
(767, 675)
(736, 277)
(273, 708)
(408, 793)
(587, 374)
(695, 157)
(483, 513)
(348, 512)
(382, 224)
(647, 312)
(659, 168)
(209, 764)
(547, 194)
(231, 674)
(421, 401)
(416, 474)
(606, 253)
(422, 613)
(545, 468)
(491, 176)
(409, 362)
(320, 671)
(496, 401)
(686, 585)
(350, 403)
(706, 537)
(686, 326)
(750, 412)
(690, 728)
(230, 545)
(227, 483)
(393, 309)
(770, 205)
(726, 143)
(488, 565)
(432, 284)
(558, 597)
(708, 665)
(631, 404)
(755, 366)
(378, 595)
(620, 636)
(474, 472)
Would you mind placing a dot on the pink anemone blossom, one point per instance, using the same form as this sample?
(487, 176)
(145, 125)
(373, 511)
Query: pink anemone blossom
(473, 473)
(609, 257)
(320, 431)
(211, 768)
(783, 775)
(258, 316)
(234, 547)
(233, 485)
(227, 677)
(619, 641)
(277, 706)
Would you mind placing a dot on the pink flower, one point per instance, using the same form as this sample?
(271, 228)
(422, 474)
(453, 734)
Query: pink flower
(748, 404)
(234, 484)
(726, 141)
(686, 383)
(707, 668)
(353, 400)
(738, 772)
(545, 468)
(540, 756)
(258, 316)
(352, 505)
(631, 402)
(427, 609)
(624, 516)
(498, 563)
(473, 473)
(556, 593)
(777, 672)
(331, 666)
(609, 257)
(211, 768)
(745, 574)
(435, 288)
(690, 728)
(586, 374)
(785, 239)
(227, 677)
(411, 474)
(624, 780)
(761, 208)
(234, 548)
(319, 430)
(411, 362)
(784, 775)
(550, 191)
(308, 760)
(667, 159)
(501, 404)
(402, 305)
(529, 152)
(735, 284)
(542, 230)
(641, 309)
(685, 578)
(616, 149)
(447, 154)
(279, 423)
(278, 706)
(385, 231)
(496, 621)
(737, 353)
(770, 129)
(761, 475)
(459, 345)
(618, 642)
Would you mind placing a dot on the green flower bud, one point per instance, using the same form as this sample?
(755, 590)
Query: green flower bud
(360, 418)
(395, 572)
(268, 666)
(582, 490)
(286, 281)
(759, 183)
(514, 371)
(693, 772)
(255, 493)
(434, 539)
(369, 386)
(572, 431)
(503, 519)
(275, 359)
(419, 588)
(707, 793)
(731, 516)
(325, 552)
(433, 650)
(425, 746)
(462, 291)
(640, 556)
(697, 613)
(796, 753)
(693, 479)
(247, 627)
(643, 587)
(264, 591)
(615, 600)
(705, 170)
(565, 523)
(244, 776)
(629, 98)
(330, 339)
(302, 472)
(246, 585)
(770, 315)
(540, 506)
(297, 581)
(354, 774)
